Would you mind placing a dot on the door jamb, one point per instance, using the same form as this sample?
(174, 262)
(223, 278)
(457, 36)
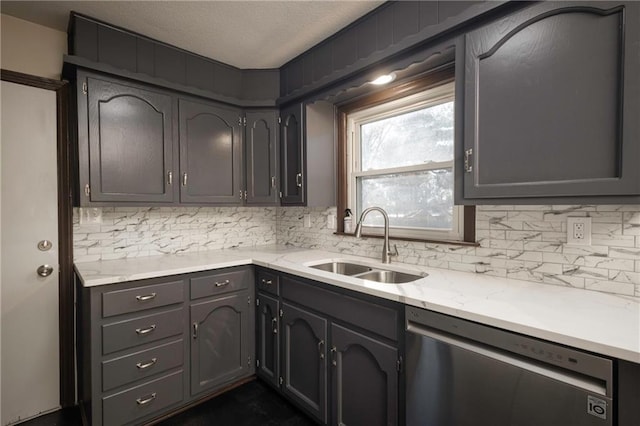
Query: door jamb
(65, 239)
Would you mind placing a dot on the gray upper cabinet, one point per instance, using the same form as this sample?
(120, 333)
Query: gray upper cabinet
(125, 142)
(261, 158)
(292, 153)
(551, 104)
(210, 154)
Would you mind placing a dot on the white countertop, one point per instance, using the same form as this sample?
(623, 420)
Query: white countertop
(607, 324)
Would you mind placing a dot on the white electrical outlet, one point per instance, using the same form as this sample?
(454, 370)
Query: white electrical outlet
(306, 219)
(579, 230)
(331, 221)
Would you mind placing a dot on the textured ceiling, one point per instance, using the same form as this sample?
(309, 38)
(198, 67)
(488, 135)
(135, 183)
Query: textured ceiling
(246, 34)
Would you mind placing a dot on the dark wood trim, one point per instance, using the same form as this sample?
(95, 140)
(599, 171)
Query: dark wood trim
(426, 81)
(65, 238)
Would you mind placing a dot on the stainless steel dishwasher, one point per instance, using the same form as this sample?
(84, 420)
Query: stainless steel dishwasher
(460, 373)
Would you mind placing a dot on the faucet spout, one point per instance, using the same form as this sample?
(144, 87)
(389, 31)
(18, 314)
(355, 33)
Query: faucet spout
(386, 252)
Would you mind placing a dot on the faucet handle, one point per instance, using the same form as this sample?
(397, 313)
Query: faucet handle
(394, 252)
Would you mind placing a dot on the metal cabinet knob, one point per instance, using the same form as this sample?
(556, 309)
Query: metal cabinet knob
(44, 270)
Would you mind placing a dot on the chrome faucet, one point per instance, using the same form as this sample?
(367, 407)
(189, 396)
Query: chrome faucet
(386, 253)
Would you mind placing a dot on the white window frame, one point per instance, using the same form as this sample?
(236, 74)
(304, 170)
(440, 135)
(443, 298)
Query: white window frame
(431, 97)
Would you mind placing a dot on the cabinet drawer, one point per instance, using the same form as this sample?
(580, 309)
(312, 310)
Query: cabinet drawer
(378, 319)
(140, 298)
(139, 365)
(133, 332)
(268, 282)
(219, 283)
(143, 400)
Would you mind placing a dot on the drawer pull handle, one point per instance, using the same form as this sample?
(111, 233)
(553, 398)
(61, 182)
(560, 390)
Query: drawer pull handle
(147, 364)
(147, 400)
(222, 283)
(267, 282)
(143, 331)
(146, 297)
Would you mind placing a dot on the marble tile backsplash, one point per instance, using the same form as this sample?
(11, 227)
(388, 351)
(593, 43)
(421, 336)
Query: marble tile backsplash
(146, 231)
(520, 242)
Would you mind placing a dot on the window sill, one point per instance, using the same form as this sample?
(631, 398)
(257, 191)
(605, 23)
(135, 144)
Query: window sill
(420, 240)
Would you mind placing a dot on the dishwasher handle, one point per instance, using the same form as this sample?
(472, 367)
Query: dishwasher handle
(587, 383)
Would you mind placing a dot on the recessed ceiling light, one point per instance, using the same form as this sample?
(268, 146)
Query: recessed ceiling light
(384, 79)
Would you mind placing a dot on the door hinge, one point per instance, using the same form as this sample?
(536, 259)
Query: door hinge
(85, 89)
(399, 365)
(87, 190)
(257, 302)
(279, 120)
(245, 195)
(280, 194)
(244, 121)
(281, 380)
(249, 361)
(249, 300)
(239, 121)
(241, 194)
(257, 363)
(281, 313)
(467, 160)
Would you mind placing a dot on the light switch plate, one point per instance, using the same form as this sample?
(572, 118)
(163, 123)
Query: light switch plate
(331, 221)
(306, 219)
(579, 231)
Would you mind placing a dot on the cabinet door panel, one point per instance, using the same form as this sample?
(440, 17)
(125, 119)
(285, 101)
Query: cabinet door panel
(219, 347)
(261, 158)
(304, 367)
(130, 143)
(209, 154)
(268, 333)
(365, 380)
(551, 96)
(292, 152)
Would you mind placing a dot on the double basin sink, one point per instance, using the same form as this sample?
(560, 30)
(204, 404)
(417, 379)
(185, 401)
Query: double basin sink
(371, 273)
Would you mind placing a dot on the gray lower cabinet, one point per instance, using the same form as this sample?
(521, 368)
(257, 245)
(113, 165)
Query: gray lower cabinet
(549, 98)
(210, 153)
(339, 358)
(261, 158)
(119, 166)
(144, 351)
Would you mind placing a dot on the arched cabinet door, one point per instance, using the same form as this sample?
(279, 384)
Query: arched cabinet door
(219, 341)
(551, 100)
(292, 155)
(261, 156)
(304, 368)
(365, 379)
(267, 339)
(130, 143)
(210, 154)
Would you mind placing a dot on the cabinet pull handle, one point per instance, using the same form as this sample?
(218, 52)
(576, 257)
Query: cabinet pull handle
(184, 179)
(195, 330)
(267, 282)
(143, 331)
(299, 180)
(334, 354)
(147, 364)
(146, 297)
(222, 283)
(273, 181)
(169, 178)
(467, 160)
(147, 400)
(321, 348)
(274, 325)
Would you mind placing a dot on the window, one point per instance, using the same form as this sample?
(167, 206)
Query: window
(399, 156)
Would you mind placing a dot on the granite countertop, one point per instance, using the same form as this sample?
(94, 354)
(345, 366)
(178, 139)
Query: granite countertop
(602, 323)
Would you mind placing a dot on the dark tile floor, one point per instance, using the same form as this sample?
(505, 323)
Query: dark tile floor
(252, 404)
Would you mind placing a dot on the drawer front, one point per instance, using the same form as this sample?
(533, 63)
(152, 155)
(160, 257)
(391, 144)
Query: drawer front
(143, 400)
(140, 298)
(137, 331)
(268, 282)
(219, 283)
(140, 365)
(378, 319)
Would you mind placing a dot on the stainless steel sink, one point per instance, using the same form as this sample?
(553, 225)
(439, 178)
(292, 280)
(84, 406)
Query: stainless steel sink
(368, 273)
(342, 268)
(389, 277)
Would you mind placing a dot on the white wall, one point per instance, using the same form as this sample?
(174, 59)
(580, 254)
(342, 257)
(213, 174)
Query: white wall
(31, 48)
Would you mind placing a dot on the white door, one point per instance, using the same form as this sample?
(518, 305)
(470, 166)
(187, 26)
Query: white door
(30, 372)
